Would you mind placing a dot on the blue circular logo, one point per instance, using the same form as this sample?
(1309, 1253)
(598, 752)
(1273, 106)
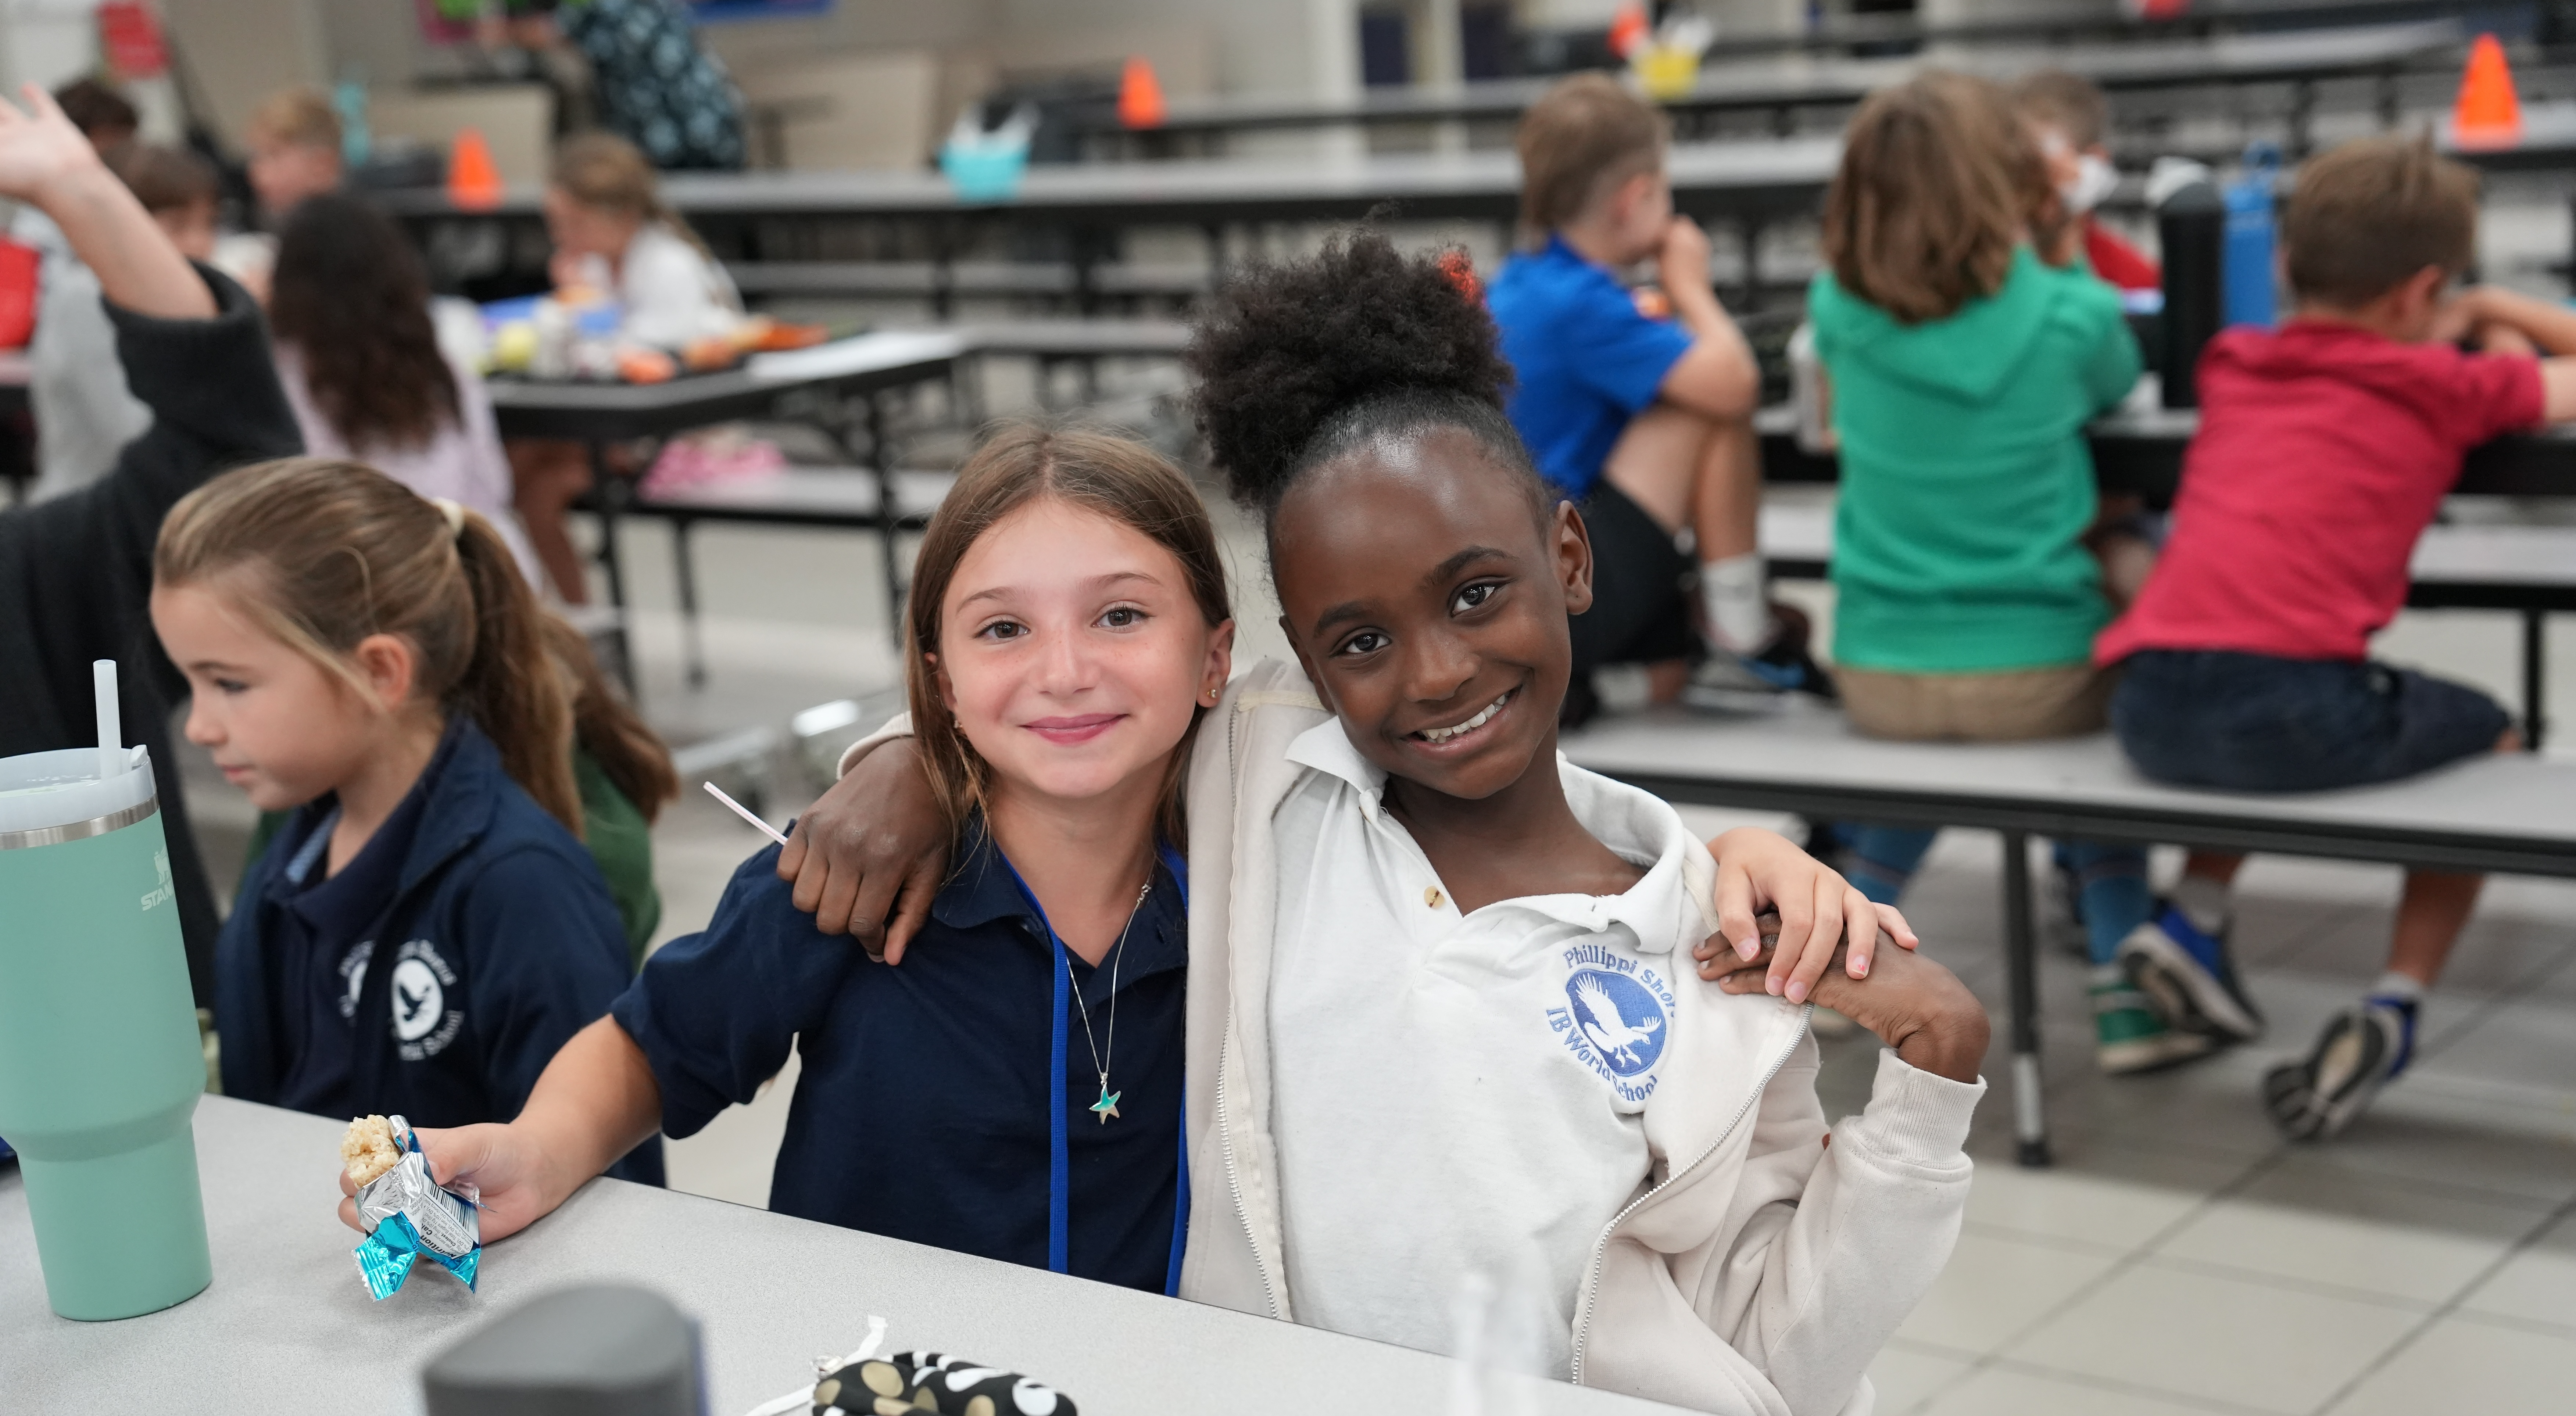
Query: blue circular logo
(1622, 1021)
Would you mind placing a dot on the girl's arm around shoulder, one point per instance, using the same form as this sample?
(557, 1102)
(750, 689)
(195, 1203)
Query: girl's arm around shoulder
(868, 857)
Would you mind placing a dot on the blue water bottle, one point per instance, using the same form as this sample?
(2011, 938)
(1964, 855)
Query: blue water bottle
(2248, 279)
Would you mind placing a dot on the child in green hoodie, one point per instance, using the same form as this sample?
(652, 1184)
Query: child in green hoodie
(1963, 371)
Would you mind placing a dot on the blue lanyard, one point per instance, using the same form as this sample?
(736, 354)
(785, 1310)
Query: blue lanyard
(1059, 1142)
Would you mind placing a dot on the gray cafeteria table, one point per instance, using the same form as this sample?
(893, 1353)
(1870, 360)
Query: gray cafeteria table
(2504, 813)
(838, 387)
(1783, 87)
(288, 1328)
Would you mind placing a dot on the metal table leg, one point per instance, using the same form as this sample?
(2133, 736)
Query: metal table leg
(2535, 677)
(889, 516)
(612, 492)
(2021, 978)
(685, 564)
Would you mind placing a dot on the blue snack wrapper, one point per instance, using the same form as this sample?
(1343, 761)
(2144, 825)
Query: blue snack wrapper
(410, 1217)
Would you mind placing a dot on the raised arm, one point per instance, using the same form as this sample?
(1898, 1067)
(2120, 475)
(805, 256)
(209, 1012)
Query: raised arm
(46, 162)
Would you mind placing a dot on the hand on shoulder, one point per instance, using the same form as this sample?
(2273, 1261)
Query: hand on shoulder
(875, 845)
(1823, 920)
(1913, 1004)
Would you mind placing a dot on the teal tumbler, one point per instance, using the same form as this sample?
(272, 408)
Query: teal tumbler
(100, 1067)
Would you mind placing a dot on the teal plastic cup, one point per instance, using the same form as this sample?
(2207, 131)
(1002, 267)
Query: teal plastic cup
(100, 1068)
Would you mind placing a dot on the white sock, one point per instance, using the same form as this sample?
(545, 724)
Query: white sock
(2202, 900)
(1732, 591)
(2401, 987)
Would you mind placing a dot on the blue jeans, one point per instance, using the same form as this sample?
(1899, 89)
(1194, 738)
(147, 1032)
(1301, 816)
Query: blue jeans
(2255, 723)
(2112, 896)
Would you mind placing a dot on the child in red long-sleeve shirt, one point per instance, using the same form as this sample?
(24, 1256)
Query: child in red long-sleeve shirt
(2324, 450)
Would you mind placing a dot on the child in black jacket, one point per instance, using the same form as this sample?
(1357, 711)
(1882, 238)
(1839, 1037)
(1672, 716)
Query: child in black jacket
(76, 571)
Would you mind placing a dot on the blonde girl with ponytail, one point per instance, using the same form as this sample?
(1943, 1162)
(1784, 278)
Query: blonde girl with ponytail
(426, 928)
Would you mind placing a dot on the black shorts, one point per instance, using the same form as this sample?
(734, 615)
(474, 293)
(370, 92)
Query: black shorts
(1641, 589)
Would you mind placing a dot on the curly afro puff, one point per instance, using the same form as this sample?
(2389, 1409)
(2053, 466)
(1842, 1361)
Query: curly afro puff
(1297, 363)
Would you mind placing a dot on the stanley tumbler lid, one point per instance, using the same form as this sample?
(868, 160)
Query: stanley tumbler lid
(47, 797)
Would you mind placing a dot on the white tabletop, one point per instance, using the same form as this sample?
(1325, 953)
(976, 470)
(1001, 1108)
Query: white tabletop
(860, 354)
(288, 1328)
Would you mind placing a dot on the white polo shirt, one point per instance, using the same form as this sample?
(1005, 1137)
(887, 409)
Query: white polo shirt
(1452, 1094)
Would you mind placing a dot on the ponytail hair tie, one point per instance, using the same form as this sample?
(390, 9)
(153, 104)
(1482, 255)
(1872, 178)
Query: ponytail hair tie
(453, 511)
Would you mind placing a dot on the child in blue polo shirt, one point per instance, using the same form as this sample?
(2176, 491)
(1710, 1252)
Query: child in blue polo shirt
(1644, 421)
(1014, 1091)
(425, 929)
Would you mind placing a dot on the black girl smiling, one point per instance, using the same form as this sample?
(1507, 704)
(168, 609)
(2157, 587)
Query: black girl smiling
(1425, 572)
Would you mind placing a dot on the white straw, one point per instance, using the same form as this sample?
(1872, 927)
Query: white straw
(744, 812)
(111, 729)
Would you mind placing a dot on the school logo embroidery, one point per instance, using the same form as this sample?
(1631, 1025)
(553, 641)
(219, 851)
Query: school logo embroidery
(424, 1024)
(353, 976)
(1616, 1017)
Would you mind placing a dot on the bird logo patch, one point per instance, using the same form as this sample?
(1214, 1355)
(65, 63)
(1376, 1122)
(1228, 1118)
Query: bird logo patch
(1616, 1017)
(425, 1019)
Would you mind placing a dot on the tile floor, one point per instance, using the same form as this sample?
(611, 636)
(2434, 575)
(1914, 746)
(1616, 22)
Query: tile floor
(2179, 1258)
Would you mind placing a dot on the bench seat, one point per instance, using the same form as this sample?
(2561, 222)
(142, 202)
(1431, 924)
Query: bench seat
(2510, 813)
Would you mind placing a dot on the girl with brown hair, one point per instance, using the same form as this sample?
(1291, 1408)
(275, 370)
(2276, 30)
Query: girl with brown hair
(426, 929)
(349, 304)
(1069, 626)
(1964, 368)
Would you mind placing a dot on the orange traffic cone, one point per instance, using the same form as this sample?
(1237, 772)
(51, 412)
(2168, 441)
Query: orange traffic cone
(2488, 114)
(1140, 95)
(473, 183)
(1628, 29)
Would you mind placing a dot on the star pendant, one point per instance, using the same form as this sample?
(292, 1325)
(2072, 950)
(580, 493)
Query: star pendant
(1107, 1106)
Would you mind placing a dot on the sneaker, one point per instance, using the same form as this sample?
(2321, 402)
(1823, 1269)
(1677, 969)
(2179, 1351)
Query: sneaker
(2128, 1036)
(1725, 680)
(2187, 974)
(2361, 1050)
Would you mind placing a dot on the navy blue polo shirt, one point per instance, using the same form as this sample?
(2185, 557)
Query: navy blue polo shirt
(928, 1107)
(324, 939)
(1584, 359)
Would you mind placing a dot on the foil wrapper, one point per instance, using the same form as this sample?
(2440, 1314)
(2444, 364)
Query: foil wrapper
(410, 1217)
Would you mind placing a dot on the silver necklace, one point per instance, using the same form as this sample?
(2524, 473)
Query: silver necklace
(1107, 1106)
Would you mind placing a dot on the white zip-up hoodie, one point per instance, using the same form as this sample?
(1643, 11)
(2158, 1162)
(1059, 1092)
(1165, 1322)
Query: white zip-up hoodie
(1761, 1270)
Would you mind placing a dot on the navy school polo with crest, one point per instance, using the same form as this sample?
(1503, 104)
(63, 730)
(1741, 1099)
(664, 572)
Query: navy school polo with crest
(947, 1100)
